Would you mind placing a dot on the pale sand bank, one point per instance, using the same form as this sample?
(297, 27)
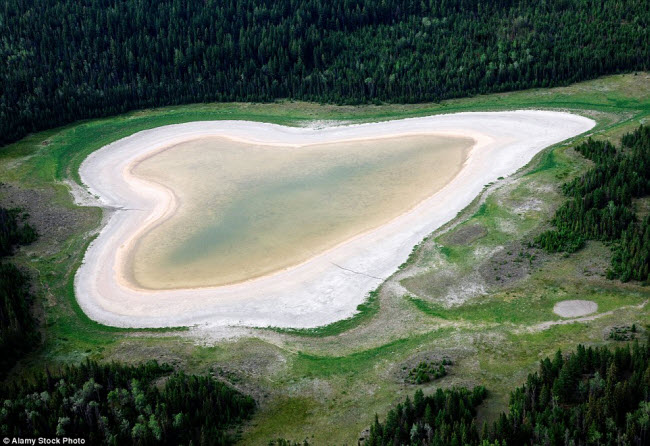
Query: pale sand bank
(247, 210)
(328, 286)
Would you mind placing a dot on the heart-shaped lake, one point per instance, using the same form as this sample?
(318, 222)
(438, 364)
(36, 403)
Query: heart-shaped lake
(245, 210)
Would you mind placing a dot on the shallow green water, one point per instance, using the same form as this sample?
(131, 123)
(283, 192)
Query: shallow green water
(247, 210)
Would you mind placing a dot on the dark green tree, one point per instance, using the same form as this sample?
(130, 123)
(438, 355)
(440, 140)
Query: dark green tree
(64, 60)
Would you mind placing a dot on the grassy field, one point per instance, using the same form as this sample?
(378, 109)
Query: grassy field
(473, 291)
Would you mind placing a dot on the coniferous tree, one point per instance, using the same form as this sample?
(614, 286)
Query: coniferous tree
(117, 404)
(18, 330)
(600, 205)
(591, 396)
(64, 60)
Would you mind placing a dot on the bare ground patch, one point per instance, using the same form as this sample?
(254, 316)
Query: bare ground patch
(511, 264)
(53, 221)
(594, 265)
(575, 308)
(625, 332)
(447, 286)
(466, 234)
(135, 352)
(525, 206)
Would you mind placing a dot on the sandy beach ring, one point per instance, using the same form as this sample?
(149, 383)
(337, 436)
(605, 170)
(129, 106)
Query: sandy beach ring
(329, 286)
(575, 308)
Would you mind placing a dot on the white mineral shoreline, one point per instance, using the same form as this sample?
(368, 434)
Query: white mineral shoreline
(330, 285)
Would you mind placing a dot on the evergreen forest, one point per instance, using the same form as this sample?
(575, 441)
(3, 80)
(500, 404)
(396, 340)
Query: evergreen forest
(602, 205)
(116, 404)
(593, 396)
(18, 329)
(65, 60)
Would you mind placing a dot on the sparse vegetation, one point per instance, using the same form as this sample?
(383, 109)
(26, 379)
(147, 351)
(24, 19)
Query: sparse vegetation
(427, 371)
(365, 311)
(623, 332)
(412, 254)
